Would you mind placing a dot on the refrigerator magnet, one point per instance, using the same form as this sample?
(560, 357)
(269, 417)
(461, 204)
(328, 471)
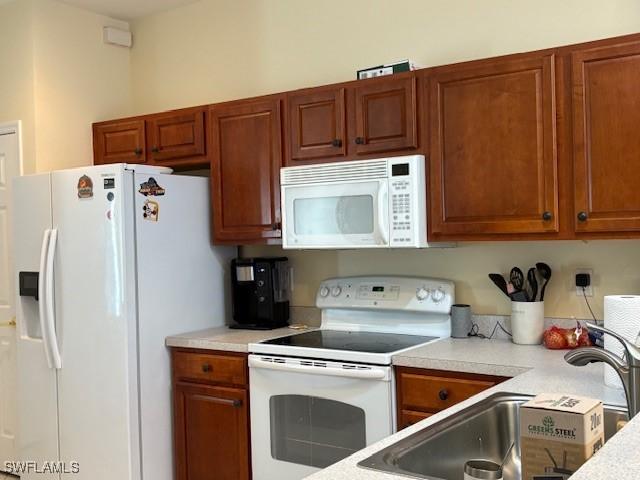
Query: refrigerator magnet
(85, 187)
(150, 210)
(150, 188)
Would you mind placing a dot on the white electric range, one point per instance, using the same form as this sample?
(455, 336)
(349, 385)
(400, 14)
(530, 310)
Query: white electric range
(319, 396)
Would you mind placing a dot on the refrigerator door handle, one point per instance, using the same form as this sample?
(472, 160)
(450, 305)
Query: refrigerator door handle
(51, 337)
(42, 310)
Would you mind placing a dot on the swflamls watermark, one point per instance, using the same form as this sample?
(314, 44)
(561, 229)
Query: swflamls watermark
(20, 468)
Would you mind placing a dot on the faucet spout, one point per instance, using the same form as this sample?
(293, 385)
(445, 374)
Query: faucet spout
(583, 356)
(628, 368)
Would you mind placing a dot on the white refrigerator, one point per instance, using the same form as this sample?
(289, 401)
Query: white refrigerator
(119, 257)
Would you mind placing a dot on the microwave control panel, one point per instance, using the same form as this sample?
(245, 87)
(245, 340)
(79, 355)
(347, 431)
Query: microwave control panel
(407, 201)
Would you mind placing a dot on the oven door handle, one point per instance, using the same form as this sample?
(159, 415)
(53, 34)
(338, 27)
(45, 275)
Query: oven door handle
(371, 373)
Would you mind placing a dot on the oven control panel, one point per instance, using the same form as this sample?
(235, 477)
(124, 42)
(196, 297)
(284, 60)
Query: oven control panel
(387, 293)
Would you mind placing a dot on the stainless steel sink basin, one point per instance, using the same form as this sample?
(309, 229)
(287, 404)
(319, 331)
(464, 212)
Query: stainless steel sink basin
(483, 431)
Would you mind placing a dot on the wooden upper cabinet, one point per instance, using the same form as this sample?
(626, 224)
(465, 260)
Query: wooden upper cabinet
(176, 135)
(493, 158)
(246, 156)
(386, 115)
(119, 141)
(317, 124)
(606, 119)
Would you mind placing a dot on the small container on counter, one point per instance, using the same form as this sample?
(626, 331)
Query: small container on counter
(527, 322)
(460, 320)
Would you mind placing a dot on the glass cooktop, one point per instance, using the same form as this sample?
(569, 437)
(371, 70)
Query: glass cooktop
(351, 341)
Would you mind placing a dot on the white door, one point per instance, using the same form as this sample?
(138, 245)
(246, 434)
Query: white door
(95, 323)
(9, 168)
(336, 214)
(307, 415)
(37, 385)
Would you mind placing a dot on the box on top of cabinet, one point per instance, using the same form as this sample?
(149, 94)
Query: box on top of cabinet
(558, 434)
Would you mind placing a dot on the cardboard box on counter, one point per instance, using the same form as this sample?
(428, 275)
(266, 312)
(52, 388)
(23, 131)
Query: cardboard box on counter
(558, 433)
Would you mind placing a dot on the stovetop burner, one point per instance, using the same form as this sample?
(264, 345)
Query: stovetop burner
(353, 341)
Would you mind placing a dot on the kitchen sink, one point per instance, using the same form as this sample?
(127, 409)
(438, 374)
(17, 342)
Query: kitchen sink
(483, 431)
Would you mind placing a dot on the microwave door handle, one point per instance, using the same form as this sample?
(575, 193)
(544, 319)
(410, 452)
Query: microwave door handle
(383, 211)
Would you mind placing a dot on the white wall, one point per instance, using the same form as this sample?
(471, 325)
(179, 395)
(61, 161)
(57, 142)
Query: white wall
(77, 80)
(58, 77)
(16, 81)
(218, 49)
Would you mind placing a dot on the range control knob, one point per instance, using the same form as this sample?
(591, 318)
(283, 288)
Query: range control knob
(336, 291)
(324, 291)
(438, 295)
(422, 293)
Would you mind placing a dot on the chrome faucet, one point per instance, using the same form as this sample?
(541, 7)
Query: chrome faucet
(628, 368)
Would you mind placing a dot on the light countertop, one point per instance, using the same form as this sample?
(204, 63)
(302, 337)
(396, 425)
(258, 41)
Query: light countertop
(534, 369)
(226, 339)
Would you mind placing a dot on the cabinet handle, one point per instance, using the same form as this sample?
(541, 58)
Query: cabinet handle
(155, 149)
(337, 142)
(360, 140)
(582, 216)
(138, 151)
(206, 368)
(443, 394)
(223, 401)
(547, 216)
(277, 226)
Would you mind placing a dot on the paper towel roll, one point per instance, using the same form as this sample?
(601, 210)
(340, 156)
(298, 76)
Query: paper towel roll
(622, 315)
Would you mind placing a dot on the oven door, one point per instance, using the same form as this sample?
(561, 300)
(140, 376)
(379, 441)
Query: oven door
(336, 215)
(309, 414)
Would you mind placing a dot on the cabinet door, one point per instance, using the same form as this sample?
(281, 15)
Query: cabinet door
(493, 157)
(177, 135)
(246, 156)
(606, 117)
(211, 433)
(316, 124)
(386, 115)
(119, 141)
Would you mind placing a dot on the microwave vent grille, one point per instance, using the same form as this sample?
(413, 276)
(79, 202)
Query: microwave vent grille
(334, 172)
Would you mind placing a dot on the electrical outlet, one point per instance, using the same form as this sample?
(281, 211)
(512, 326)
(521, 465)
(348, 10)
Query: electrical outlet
(588, 291)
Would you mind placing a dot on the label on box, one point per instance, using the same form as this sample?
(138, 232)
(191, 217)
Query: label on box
(559, 433)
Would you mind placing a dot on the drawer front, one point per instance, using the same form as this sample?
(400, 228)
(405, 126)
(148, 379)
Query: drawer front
(210, 368)
(409, 417)
(433, 393)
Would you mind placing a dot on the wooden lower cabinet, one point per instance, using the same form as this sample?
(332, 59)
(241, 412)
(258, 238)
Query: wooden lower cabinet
(211, 417)
(421, 393)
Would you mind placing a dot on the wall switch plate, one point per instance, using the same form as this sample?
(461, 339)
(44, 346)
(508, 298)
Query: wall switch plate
(588, 291)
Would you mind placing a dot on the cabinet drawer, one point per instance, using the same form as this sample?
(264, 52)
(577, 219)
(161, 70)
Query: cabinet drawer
(409, 417)
(424, 391)
(211, 368)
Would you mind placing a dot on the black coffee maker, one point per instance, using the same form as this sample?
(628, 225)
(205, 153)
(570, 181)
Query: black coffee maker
(260, 292)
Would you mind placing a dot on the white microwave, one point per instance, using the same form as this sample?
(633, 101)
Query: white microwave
(362, 204)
